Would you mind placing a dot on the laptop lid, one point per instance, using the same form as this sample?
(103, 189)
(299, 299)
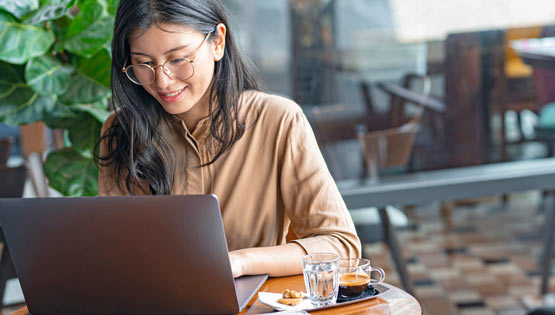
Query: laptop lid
(129, 255)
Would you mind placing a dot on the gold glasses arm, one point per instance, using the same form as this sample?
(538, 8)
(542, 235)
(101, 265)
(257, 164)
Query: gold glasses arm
(192, 59)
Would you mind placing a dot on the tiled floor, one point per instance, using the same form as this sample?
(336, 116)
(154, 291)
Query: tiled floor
(486, 262)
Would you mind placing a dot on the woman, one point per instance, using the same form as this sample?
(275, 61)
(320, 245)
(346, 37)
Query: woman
(190, 119)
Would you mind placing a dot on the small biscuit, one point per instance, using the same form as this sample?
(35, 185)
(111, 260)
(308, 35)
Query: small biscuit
(292, 294)
(291, 302)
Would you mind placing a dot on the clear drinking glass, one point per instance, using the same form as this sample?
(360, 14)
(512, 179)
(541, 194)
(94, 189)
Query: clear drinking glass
(321, 278)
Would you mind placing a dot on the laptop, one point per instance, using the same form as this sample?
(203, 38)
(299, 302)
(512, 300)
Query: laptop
(124, 255)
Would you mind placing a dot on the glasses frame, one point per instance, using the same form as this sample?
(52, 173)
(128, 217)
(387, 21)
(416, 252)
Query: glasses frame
(190, 60)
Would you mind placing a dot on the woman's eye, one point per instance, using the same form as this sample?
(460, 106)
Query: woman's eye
(144, 63)
(177, 61)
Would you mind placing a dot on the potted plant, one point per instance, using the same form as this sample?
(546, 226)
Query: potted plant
(55, 60)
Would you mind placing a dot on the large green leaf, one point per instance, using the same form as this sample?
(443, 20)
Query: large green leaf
(89, 12)
(90, 30)
(99, 110)
(19, 104)
(59, 116)
(92, 39)
(98, 67)
(84, 90)
(19, 7)
(50, 10)
(84, 133)
(20, 42)
(71, 174)
(112, 7)
(47, 75)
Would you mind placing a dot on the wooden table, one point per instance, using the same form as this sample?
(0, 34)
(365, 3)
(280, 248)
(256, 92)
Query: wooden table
(394, 301)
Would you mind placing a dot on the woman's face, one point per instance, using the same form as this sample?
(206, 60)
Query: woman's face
(156, 45)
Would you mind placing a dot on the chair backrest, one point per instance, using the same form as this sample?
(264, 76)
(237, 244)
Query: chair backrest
(5, 149)
(392, 147)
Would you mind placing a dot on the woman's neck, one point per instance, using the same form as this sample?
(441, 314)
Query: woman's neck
(195, 114)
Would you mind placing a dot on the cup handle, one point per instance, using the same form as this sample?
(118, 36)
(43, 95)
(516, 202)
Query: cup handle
(380, 271)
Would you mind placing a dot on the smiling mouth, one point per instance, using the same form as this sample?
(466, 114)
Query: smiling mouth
(172, 94)
(172, 97)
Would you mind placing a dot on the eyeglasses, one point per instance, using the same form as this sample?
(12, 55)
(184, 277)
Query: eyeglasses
(177, 69)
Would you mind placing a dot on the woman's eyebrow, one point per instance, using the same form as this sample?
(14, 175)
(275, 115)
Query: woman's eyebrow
(165, 53)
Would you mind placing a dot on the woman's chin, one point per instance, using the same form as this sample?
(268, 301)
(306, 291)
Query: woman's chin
(175, 109)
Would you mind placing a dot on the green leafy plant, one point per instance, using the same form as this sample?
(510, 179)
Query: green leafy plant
(55, 67)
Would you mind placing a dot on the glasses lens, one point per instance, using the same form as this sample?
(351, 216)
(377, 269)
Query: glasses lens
(181, 68)
(140, 74)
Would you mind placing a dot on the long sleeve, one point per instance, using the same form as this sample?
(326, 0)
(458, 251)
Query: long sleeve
(311, 198)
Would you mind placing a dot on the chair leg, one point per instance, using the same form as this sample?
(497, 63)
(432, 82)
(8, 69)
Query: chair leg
(548, 247)
(390, 239)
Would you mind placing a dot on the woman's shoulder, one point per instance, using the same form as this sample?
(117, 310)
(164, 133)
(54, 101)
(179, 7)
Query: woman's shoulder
(108, 122)
(264, 104)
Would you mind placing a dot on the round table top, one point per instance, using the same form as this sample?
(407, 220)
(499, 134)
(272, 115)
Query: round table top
(393, 301)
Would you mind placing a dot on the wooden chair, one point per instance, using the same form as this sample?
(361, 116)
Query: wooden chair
(426, 119)
(337, 126)
(392, 147)
(387, 148)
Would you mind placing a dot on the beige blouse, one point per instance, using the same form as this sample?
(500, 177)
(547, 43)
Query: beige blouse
(272, 179)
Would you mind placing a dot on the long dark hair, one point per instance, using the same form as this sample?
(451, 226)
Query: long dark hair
(136, 149)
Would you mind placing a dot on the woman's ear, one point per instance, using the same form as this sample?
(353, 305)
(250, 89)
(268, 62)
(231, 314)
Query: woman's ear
(218, 42)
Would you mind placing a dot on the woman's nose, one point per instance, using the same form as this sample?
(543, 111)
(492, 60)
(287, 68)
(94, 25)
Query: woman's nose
(163, 80)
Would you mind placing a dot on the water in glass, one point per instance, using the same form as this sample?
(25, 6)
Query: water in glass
(321, 279)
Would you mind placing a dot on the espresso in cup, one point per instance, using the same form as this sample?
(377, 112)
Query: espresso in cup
(355, 276)
(353, 284)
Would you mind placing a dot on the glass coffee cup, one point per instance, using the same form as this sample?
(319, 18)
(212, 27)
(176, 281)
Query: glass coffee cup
(355, 275)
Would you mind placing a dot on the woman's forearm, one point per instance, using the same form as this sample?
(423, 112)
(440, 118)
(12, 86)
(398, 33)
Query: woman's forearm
(276, 261)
